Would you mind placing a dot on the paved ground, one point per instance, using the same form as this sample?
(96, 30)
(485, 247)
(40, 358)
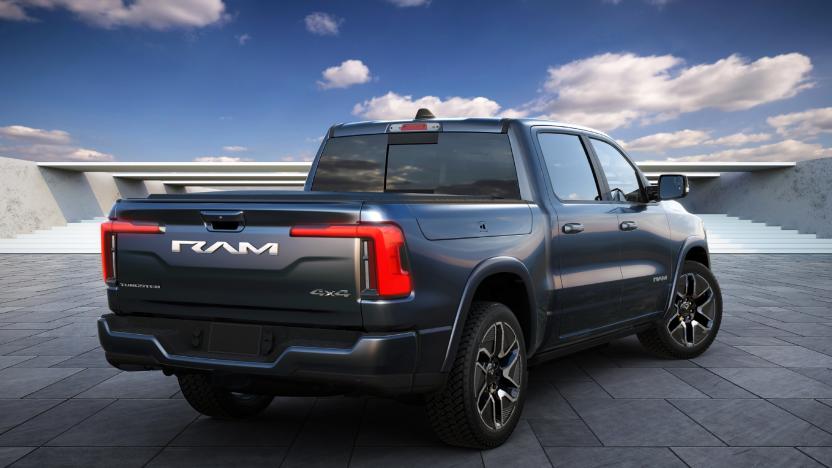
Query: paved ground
(761, 396)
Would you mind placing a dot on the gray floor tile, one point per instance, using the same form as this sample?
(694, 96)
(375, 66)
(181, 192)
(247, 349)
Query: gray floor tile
(522, 449)
(17, 382)
(580, 389)
(738, 457)
(42, 361)
(9, 361)
(92, 358)
(51, 423)
(415, 457)
(177, 457)
(390, 423)
(87, 457)
(821, 454)
(710, 384)
(14, 412)
(563, 433)
(641, 423)
(813, 411)
(67, 346)
(129, 423)
(75, 384)
(775, 382)
(277, 426)
(332, 423)
(643, 383)
(752, 423)
(790, 356)
(628, 457)
(544, 401)
(9, 455)
(134, 385)
(722, 355)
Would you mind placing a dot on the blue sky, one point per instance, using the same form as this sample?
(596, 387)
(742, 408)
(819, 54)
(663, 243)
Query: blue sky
(257, 80)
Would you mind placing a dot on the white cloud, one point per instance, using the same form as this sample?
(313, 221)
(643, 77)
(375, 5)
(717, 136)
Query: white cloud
(20, 132)
(409, 3)
(242, 39)
(53, 152)
(220, 159)
(234, 149)
(84, 154)
(350, 72)
(740, 139)
(810, 122)
(661, 142)
(11, 10)
(46, 145)
(786, 150)
(323, 24)
(613, 90)
(153, 14)
(396, 106)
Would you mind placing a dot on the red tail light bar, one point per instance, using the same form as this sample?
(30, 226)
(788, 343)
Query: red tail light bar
(388, 275)
(108, 231)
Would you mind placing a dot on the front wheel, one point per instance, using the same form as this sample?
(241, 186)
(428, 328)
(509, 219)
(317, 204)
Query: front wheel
(691, 324)
(481, 402)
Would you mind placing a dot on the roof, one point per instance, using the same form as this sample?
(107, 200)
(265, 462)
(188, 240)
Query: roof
(485, 125)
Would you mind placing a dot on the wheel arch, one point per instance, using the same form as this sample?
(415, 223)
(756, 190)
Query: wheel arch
(694, 248)
(515, 279)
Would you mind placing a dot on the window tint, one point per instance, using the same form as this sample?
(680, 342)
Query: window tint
(450, 163)
(621, 176)
(460, 164)
(352, 164)
(568, 166)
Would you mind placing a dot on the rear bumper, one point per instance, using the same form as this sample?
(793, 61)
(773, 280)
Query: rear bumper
(374, 363)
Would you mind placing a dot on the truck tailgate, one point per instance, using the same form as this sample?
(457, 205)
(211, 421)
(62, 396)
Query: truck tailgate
(238, 263)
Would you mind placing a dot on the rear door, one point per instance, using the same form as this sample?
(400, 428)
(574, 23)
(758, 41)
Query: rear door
(643, 230)
(585, 245)
(238, 262)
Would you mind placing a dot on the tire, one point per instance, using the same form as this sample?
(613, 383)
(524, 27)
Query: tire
(217, 402)
(479, 367)
(692, 322)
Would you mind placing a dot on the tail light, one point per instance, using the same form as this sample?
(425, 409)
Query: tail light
(384, 255)
(108, 244)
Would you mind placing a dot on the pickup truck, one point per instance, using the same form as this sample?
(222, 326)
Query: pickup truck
(428, 259)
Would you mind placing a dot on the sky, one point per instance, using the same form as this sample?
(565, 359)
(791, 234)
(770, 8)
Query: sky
(245, 80)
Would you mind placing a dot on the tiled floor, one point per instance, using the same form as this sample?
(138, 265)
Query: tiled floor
(761, 396)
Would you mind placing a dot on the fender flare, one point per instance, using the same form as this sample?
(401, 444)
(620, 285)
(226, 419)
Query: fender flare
(690, 242)
(484, 269)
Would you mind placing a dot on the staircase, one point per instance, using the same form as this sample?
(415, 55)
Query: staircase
(729, 234)
(726, 234)
(80, 237)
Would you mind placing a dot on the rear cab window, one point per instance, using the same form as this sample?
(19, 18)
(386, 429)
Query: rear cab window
(479, 164)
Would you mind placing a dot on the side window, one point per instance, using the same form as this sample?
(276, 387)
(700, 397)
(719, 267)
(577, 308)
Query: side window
(568, 167)
(621, 176)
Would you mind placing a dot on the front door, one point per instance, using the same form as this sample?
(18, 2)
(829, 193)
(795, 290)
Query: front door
(643, 228)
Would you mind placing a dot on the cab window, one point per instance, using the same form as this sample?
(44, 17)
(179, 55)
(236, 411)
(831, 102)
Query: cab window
(622, 177)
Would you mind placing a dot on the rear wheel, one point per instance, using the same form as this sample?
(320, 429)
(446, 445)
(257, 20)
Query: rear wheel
(217, 402)
(483, 397)
(691, 324)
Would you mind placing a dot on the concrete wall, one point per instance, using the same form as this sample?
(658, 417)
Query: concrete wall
(34, 198)
(26, 203)
(797, 198)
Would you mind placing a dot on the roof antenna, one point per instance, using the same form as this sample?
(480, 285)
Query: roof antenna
(423, 113)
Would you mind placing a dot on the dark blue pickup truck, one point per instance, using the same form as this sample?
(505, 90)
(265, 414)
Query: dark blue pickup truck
(429, 259)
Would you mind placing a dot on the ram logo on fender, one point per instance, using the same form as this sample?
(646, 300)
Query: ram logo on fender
(243, 248)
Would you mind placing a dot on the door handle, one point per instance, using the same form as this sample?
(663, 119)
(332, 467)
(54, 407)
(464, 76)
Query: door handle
(572, 228)
(628, 225)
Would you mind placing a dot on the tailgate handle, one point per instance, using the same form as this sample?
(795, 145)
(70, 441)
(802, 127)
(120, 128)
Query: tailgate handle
(228, 221)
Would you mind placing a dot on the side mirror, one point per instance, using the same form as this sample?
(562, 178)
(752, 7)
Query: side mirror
(672, 186)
